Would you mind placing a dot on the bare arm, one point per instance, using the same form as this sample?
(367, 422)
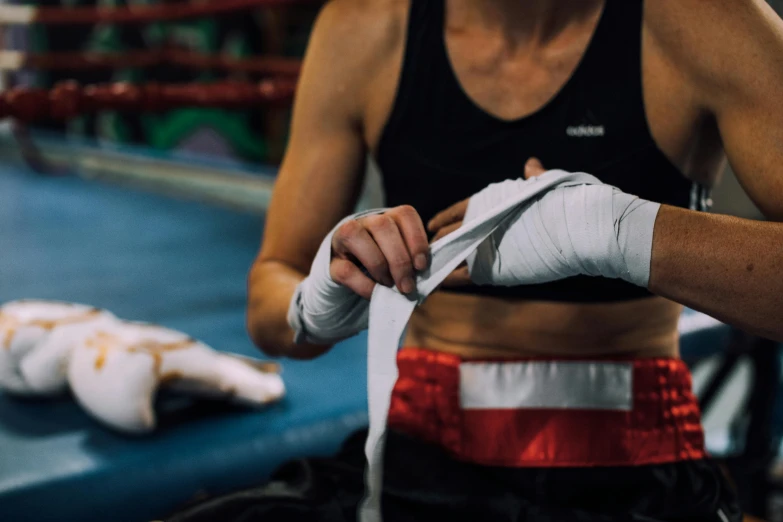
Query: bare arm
(321, 173)
(727, 267)
(731, 53)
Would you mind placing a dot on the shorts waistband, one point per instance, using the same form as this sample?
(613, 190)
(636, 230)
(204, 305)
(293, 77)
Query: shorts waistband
(549, 413)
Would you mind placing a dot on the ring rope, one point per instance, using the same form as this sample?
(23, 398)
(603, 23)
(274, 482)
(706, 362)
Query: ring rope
(28, 15)
(17, 60)
(69, 99)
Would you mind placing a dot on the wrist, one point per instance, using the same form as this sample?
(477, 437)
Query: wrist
(322, 311)
(635, 224)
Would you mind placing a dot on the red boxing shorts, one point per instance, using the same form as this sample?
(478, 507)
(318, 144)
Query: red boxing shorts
(513, 441)
(552, 413)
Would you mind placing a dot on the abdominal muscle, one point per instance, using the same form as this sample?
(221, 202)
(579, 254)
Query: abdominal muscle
(475, 327)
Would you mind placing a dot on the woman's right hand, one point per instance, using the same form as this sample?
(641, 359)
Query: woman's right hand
(386, 248)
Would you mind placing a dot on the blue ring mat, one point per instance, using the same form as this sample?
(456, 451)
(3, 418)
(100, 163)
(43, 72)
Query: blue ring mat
(180, 264)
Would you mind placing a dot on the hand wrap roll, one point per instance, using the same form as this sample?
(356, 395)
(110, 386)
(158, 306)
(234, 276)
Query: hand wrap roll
(322, 311)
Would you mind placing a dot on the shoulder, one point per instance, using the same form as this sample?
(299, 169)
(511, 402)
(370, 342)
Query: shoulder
(717, 47)
(351, 43)
(362, 29)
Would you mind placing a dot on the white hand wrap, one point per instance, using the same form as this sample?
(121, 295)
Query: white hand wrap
(561, 227)
(590, 229)
(36, 341)
(322, 311)
(115, 373)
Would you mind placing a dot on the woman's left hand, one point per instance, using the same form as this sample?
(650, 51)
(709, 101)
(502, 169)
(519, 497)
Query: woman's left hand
(449, 220)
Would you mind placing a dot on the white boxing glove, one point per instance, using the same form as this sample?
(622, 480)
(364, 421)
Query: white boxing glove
(321, 310)
(587, 228)
(36, 340)
(115, 374)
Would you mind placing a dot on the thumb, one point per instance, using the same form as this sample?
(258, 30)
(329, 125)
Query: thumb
(533, 168)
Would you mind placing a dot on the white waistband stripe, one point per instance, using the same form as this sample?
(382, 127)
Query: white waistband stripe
(547, 384)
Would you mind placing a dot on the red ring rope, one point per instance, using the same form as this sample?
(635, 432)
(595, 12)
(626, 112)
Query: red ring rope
(68, 99)
(27, 15)
(15, 60)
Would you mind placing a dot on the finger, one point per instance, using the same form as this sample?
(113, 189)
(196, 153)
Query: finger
(412, 229)
(448, 229)
(354, 241)
(383, 228)
(459, 277)
(454, 213)
(533, 168)
(349, 275)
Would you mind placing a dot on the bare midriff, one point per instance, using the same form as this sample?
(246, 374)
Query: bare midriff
(476, 327)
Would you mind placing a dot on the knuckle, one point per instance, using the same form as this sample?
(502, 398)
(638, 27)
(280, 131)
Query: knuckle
(341, 271)
(348, 229)
(401, 266)
(380, 222)
(406, 211)
(419, 243)
(376, 266)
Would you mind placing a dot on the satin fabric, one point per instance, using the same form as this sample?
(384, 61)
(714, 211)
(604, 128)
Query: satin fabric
(663, 424)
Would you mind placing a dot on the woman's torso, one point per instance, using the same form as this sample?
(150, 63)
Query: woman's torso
(457, 112)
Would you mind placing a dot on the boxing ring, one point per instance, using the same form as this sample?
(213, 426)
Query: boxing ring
(109, 234)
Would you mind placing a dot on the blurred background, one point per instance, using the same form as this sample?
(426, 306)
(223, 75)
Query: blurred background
(255, 135)
(182, 262)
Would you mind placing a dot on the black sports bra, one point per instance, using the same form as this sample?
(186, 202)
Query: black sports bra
(439, 147)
